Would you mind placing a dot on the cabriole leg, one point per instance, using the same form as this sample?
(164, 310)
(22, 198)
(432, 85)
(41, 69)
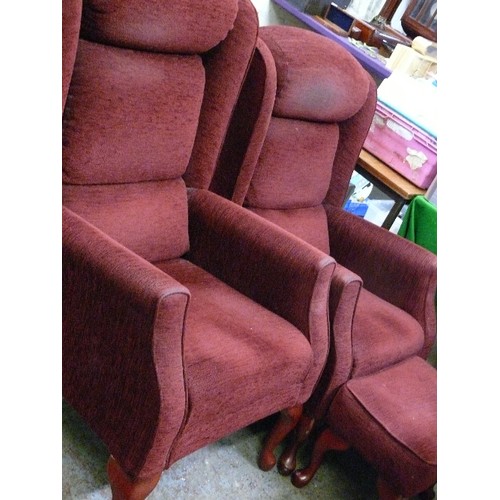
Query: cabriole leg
(123, 488)
(288, 459)
(286, 423)
(326, 441)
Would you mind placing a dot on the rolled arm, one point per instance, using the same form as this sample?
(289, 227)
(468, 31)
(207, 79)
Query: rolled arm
(123, 322)
(266, 263)
(344, 293)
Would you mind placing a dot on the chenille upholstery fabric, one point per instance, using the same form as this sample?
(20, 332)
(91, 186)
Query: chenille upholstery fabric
(248, 127)
(295, 172)
(293, 151)
(168, 292)
(102, 130)
(156, 25)
(226, 66)
(399, 436)
(228, 292)
(310, 87)
(220, 230)
(396, 270)
(138, 215)
(303, 133)
(71, 17)
(247, 343)
(296, 161)
(117, 332)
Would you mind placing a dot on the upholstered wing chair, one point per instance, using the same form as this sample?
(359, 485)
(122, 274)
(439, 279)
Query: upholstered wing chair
(185, 316)
(297, 132)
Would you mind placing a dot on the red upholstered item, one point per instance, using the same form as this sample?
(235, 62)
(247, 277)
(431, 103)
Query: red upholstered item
(393, 268)
(141, 216)
(295, 172)
(390, 417)
(121, 317)
(306, 223)
(248, 127)
(71, 17)
(382, 334)
(157, 25)
(295, 169)
(178, 324)
(231, 345)
(296, 156)
(293, 151)
(226, 66)
(310, 87)
(112, 111)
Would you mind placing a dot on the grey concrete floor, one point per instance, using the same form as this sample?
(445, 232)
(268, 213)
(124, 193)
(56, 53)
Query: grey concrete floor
(223, 470)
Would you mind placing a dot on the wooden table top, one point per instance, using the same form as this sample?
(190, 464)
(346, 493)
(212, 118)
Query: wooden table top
(389, 177)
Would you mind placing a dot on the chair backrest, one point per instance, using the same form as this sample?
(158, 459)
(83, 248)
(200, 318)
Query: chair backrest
(135, 107)
(322, 111)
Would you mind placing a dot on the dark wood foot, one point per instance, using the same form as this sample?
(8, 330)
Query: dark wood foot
(385, 491)
(286, 423)
(326, 441)
(123, 488)
(288, 459)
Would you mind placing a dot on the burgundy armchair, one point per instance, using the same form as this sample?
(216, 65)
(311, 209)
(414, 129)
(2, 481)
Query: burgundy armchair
(307, 106)
(185, 316)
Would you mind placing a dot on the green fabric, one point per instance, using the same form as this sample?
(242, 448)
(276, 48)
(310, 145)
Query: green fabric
(420, 223)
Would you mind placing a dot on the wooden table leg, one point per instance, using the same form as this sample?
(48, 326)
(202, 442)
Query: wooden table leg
(393, 213)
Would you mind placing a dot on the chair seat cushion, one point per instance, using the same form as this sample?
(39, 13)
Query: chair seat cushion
(383, 335)
(391, 418)
(237, 354)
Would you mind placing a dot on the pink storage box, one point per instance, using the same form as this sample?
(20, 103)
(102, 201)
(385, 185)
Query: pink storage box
(403, 146)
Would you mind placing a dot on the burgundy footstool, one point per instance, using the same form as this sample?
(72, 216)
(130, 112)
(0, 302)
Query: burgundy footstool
(390, 418)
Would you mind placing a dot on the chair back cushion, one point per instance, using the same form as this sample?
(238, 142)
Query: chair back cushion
(320, 86)
(132, 116)
(318, 80)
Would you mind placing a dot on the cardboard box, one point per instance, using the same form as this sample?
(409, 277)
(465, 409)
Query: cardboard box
(403, 146)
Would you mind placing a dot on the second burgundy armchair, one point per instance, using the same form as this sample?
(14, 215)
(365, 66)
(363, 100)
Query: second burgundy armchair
(308, 106)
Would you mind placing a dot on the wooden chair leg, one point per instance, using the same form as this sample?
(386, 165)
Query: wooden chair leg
(286, 423)
(123, 488)
(288, 459)
(326, 441)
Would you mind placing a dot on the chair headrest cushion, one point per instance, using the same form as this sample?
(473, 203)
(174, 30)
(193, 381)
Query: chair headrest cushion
(318, 79)
(180, 26)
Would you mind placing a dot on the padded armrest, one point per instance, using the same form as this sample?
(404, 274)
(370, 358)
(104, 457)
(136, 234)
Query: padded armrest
(395, 269)
(344, 293)
(123, 322)
(264, 262)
